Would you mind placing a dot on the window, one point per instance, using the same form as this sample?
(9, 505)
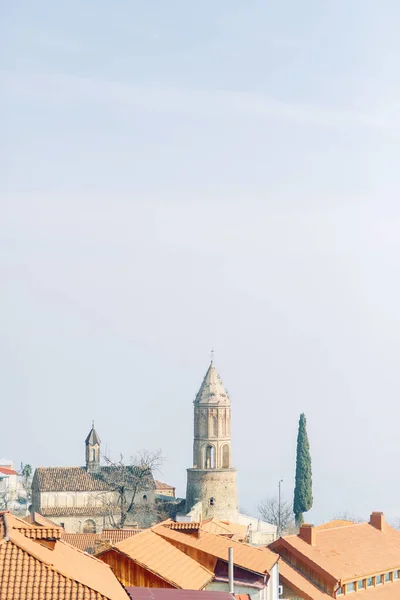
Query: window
(378, 580)
(351, 587)
(145, 498)
(395, 575)
(361, 584)
(89, 526)
(212, 501)
(387, 576)
(370, 582)
(339, 592)
(210, 457)
(215, 426)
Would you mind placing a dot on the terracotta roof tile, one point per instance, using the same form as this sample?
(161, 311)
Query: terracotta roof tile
(72, 479)
(32, 571)
(333, 524)
(164, 560)
(7, 471)
(163, 486)
(300, 584)
(36, 518)
(248, 557)
(91, 542)
(349, 552)
(75, 511)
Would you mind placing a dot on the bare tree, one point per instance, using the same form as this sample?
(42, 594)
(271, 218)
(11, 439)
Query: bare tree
(125, 487)
(279, 515)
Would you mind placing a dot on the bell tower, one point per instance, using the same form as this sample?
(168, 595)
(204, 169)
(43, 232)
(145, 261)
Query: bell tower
(212, 480)
(92, 444)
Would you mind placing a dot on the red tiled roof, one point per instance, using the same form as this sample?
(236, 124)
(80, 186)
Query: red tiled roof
(163, 486)
(75, 511)
(32, 571)
(257, 560)
(349, 552)
(300, 584)
(158, 556)
(76, 479)
(7, 471)
(90, 542)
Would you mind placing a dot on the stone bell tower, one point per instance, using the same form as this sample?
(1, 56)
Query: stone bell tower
(92, 444)
(212, 480)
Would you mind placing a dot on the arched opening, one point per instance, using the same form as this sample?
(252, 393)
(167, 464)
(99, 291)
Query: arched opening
(225, 456)
(89, 526)
(215, 426)
(210, 457)
(144, 498)
(212, 501)
(93, 454)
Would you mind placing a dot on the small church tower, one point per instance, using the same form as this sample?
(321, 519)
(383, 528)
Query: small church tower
(212, 480)
(92, 444)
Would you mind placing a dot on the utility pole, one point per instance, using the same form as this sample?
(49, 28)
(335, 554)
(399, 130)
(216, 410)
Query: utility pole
(279, 507)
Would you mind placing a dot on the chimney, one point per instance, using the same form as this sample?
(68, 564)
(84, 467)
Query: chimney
(377, 520)
(308, 534)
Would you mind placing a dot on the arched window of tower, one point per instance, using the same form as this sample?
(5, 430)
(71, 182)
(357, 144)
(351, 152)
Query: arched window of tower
(215, 426)
(212, 501)
(225, 456)
(210, 457)
(93, 454)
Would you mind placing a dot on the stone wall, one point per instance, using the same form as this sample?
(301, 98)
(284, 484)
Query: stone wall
(216, 489)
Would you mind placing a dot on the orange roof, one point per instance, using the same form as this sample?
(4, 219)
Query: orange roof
(225, 528)
(90, 542)
(51, 532)
(297, 582)
(36, 518)
(248, 557)
(32, 571)
(163, 486)
(333, 524)
(164, 560)
(348, 552)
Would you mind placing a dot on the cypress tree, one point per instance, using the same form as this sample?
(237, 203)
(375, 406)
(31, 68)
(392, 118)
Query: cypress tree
(303, 499)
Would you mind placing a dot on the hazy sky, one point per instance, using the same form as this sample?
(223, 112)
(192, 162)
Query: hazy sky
(180, 175)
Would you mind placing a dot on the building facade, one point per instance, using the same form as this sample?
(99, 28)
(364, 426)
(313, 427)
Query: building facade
(211, 482)
(80, 499)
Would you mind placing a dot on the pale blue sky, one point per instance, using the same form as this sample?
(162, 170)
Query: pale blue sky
(179, 175)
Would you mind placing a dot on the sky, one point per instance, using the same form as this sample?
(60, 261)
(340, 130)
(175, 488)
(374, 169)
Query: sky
(179, 176)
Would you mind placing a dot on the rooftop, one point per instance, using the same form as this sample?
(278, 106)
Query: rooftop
(349, 551)
(161, 558)
(257, 560)
(77, 479)
(30, 570)
(212, 390)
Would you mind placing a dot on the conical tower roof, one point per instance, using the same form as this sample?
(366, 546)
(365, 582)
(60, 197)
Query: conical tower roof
(93, 437)
(212, 389)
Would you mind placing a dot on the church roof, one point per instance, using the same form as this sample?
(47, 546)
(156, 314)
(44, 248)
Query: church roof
(212, 390)
(93, 437)
(79, 479)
